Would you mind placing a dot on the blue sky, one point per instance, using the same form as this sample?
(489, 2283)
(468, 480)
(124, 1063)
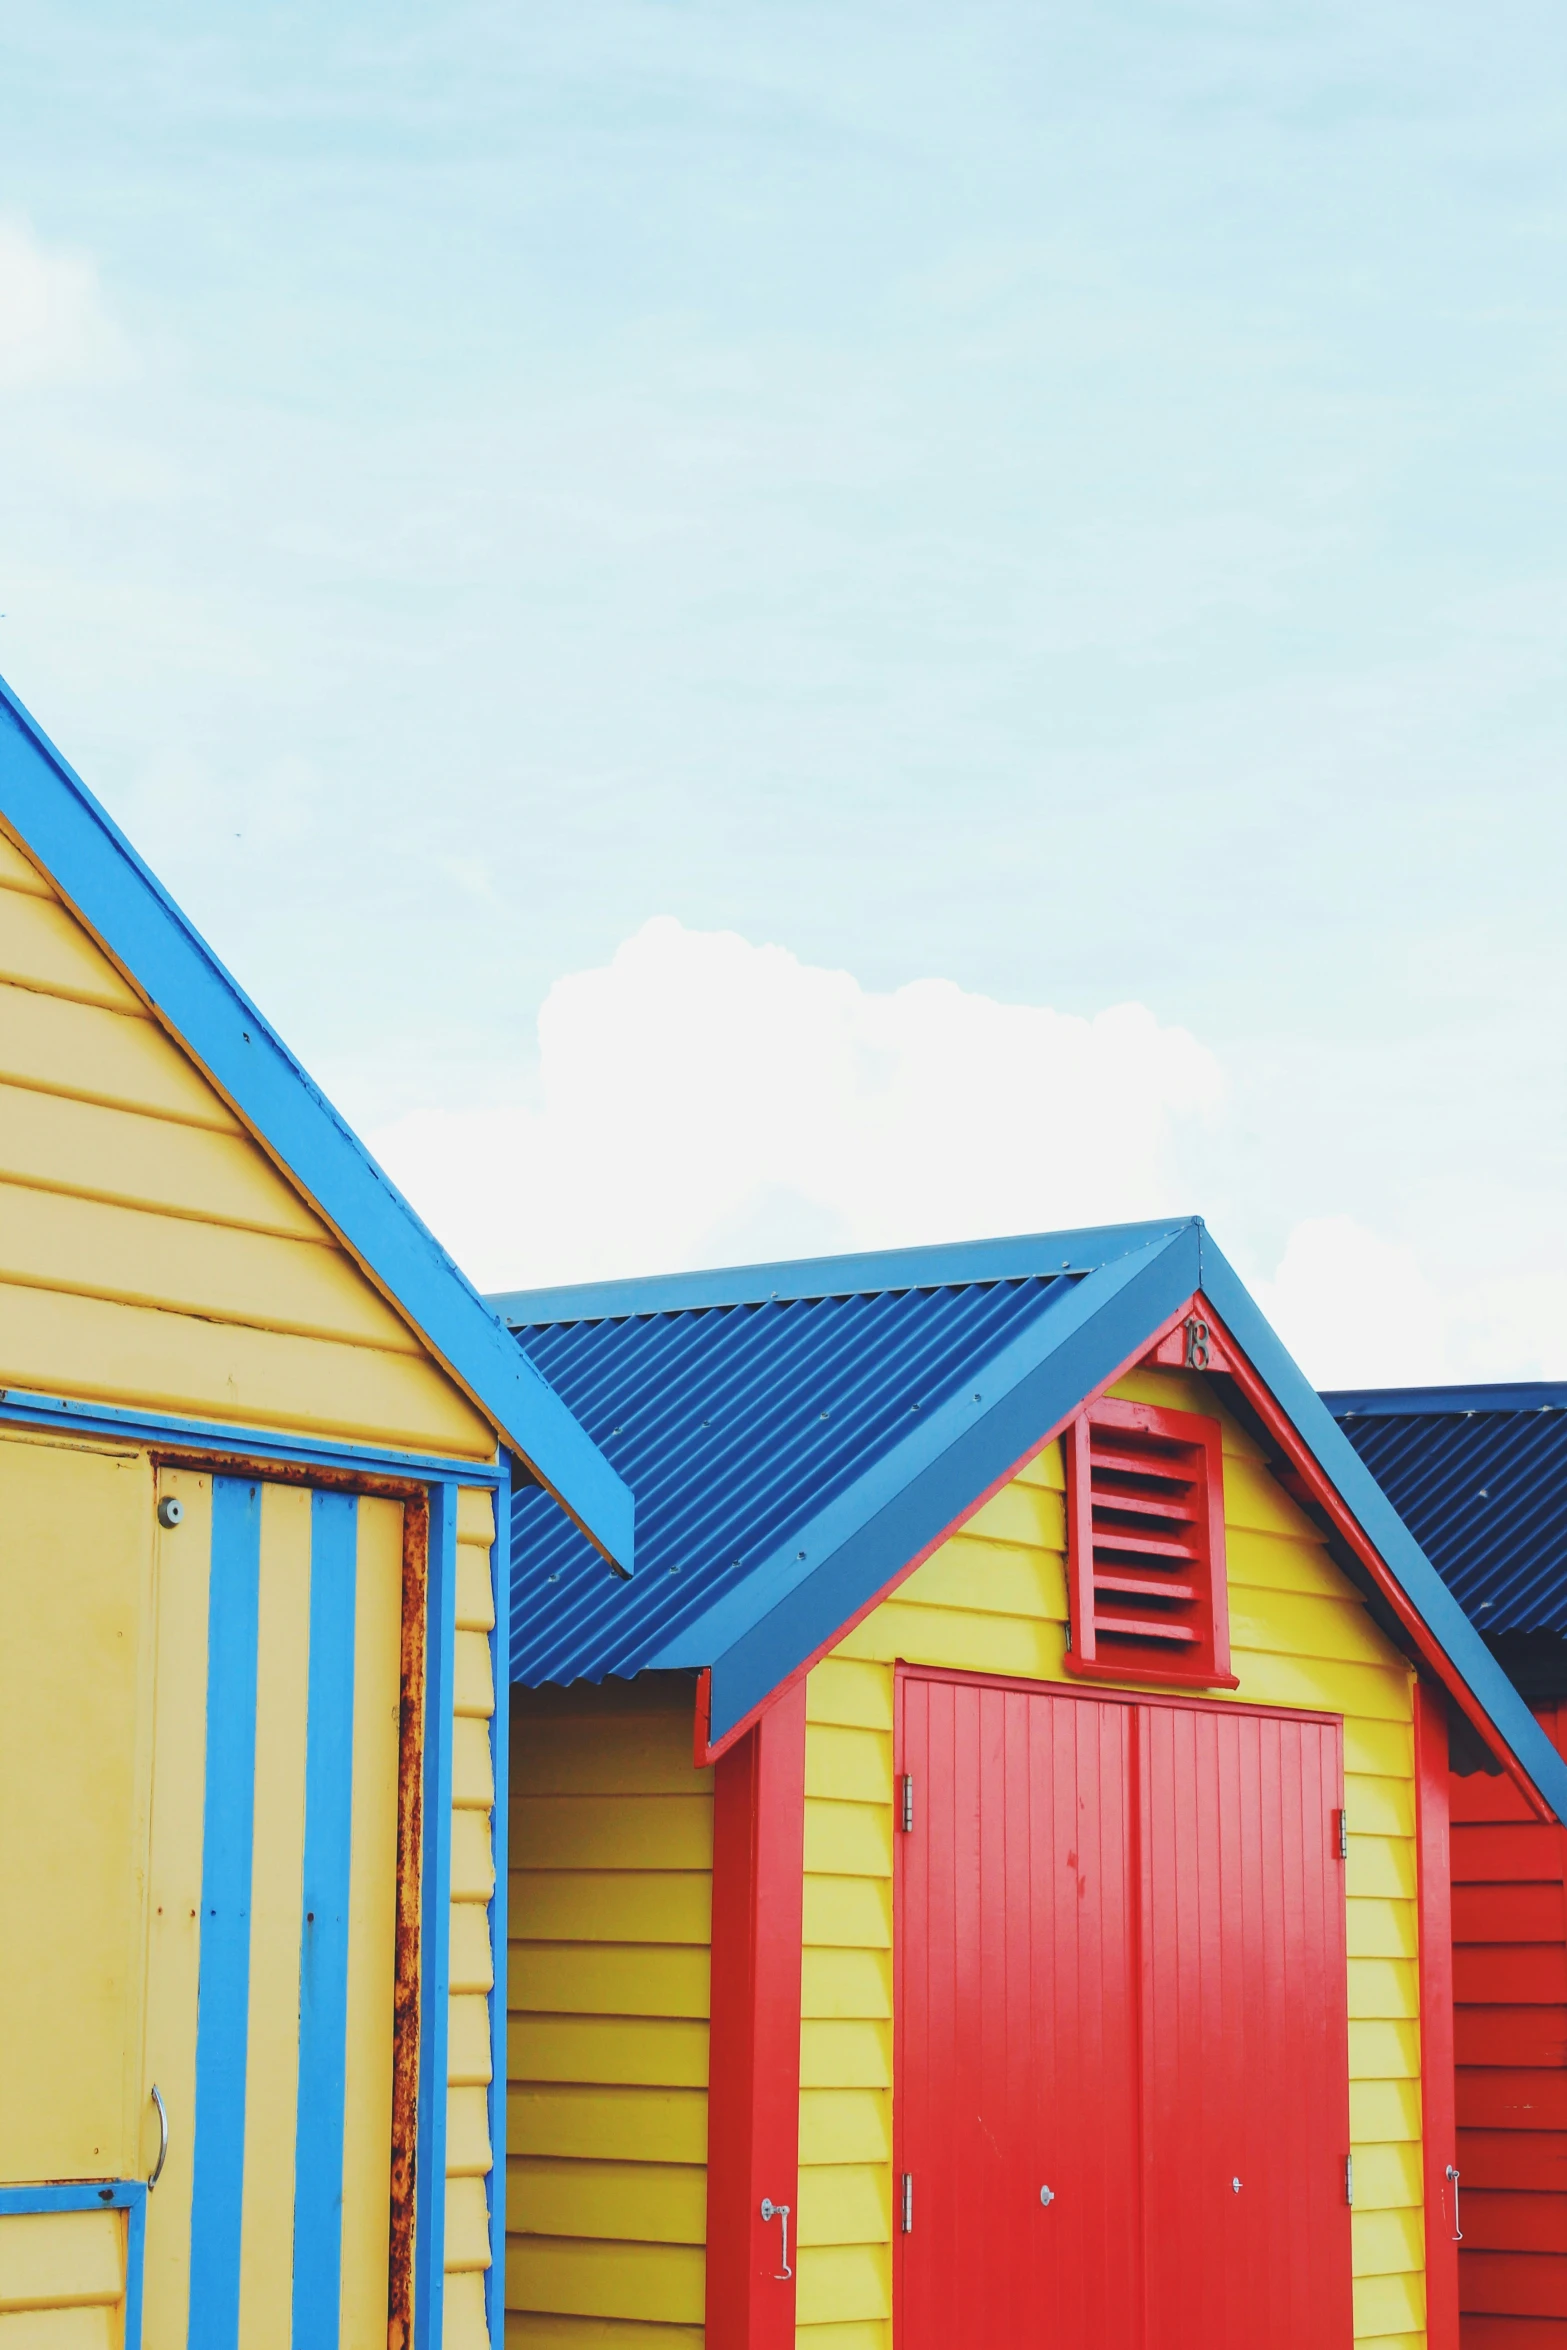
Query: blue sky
(1066, 502)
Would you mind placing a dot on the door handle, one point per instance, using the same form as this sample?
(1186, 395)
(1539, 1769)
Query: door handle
(1458, 2225)
(163, 2139)
(1047, 2196)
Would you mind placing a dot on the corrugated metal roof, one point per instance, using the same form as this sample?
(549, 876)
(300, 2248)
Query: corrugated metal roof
(733, 1424)
(1479, 1475)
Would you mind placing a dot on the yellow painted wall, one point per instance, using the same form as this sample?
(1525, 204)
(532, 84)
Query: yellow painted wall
(62, 2280)
(993, 1599)
(151, 1254)
(611, 1905)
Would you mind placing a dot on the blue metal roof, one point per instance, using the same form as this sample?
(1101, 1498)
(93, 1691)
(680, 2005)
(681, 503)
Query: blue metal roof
(797, 1434)
(1479, 1475)
(733, 1424)
(126, 908)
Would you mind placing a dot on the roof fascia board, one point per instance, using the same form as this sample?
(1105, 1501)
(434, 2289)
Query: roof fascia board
(1028, 1256)
(1395, 1547)
(137, 923)
(896, 1514)
(1394, 1403)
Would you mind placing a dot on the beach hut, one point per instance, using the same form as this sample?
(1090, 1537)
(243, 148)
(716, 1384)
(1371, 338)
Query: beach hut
(255, 1432)
(985, 1880)
(1480, 1476)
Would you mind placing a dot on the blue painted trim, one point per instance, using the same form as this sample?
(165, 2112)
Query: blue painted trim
(1392, 1403)
(795, 1604)
(22, 1408)
(127, 909)
(1385, 1529)
(323, 1940)
(1026, 1256)
(228, 1824)
(127, 2195)
(500, 1748)
(435, 1923)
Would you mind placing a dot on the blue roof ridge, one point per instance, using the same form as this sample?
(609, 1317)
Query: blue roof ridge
(1391, 1403)
(147, 935)
(941, 1265)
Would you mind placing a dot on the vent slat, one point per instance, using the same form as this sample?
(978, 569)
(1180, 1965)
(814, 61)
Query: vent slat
(1144, 1545)
(1143, 1505)
(1177, 1467)
(1140, 1628)
(1140, 1587)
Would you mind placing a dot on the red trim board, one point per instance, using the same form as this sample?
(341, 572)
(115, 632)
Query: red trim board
(753, 2095)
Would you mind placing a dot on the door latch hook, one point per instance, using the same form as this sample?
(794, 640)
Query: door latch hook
(780, 2212)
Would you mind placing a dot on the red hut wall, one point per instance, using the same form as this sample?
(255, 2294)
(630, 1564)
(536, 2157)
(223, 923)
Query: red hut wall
(1510, 1992)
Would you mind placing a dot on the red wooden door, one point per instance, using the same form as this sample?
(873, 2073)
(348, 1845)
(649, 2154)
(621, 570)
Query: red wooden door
(1017, 2023)
(1245, 2031)
(1121, 1977)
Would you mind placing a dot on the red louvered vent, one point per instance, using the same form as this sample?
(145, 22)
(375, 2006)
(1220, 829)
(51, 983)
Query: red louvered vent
(1145, 1541)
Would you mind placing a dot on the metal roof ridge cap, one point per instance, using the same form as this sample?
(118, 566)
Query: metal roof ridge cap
(100, 875)
(789, 1280)
(736, 1612)
(1433, 1402)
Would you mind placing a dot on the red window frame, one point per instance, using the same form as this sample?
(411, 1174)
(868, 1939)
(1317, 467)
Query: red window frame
(1173, 1604)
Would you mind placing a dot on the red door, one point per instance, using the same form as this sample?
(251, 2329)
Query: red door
(1016, 2030)
(1245, 2030)
(1121, 1987)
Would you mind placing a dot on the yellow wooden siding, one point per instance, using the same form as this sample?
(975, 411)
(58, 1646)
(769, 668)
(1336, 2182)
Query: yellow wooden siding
(151, 1255)
(62, 2280)
(372, 1924)
(993, 1599)
(469, 2066)
(611, 1901)
(75, 1665)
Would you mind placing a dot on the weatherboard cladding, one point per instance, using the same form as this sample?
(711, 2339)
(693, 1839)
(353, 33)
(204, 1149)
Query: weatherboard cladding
(733, 1425)
(1480, 1478)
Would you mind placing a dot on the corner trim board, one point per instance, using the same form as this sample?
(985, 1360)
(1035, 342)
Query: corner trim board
(753, 2101)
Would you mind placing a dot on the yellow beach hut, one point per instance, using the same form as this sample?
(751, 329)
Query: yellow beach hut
(257, 1439)
(986, 1881)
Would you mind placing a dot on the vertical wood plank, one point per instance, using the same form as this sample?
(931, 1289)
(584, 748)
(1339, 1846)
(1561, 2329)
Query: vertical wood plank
(1439, 2127)
(324, 1925)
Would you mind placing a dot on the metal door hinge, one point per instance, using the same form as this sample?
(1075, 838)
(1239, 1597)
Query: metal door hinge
(906, 1804)
(906, 2205)
(1349, 2178)
(1343, 1835)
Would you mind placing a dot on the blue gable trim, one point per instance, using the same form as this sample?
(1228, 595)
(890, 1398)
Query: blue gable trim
(98, 872)
(791, 1608)
(1396, 1546)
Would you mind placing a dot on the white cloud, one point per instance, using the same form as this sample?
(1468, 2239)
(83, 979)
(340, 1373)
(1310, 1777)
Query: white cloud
(700, 1100)
(54, 328)
(1359, 1310)
(703, 1100)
